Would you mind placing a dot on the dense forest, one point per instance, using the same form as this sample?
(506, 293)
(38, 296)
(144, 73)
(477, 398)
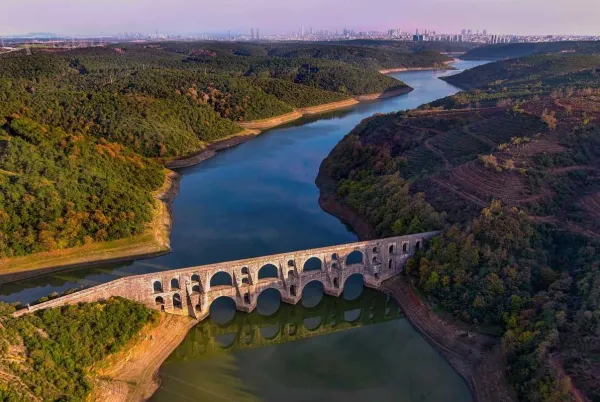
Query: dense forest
(510, 171)
(51, 354)
(514, 50)
(83, 132)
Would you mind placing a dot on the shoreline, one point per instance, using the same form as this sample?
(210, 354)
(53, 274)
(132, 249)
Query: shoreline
(132, 375)
(405, 69)
(466, 352)
(152, 243)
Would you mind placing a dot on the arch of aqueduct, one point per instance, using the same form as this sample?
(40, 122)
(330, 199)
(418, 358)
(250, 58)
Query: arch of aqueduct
(191, 291)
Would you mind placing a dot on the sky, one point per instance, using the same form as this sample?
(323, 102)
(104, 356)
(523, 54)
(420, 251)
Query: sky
(79, 17)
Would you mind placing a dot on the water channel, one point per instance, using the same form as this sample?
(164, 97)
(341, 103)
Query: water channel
(257, 199)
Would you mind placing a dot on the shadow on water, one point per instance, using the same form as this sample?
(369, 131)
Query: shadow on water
(352, 348)
(255, 199)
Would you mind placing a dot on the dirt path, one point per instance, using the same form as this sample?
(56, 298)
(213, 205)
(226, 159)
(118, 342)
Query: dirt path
(461, 194)
(132, 375)
(571, 169)
(438, 153)
(476, 357)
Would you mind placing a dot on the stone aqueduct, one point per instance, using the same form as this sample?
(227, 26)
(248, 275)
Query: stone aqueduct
(191, 291)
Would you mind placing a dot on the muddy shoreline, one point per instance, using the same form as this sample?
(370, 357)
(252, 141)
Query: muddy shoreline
(477, 358)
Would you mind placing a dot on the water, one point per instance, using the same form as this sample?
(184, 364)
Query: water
(260, 198)
(351, 348)
(255, 199)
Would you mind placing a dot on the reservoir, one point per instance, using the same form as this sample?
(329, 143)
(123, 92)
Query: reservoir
(256, 199)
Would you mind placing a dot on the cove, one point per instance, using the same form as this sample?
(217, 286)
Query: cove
(256, 199)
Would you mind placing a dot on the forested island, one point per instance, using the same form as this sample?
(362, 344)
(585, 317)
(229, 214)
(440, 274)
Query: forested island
(509, 170)
(85, 133)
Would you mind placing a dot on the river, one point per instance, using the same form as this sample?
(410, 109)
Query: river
(256, 199)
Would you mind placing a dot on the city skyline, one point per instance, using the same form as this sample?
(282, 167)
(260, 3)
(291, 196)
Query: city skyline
(107, 17)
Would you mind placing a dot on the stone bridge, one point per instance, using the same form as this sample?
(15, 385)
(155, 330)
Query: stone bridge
(191, 291)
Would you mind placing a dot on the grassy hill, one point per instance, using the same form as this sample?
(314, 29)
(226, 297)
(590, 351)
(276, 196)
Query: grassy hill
(510, 170)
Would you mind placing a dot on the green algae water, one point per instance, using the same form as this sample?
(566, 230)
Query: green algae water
(337, 350)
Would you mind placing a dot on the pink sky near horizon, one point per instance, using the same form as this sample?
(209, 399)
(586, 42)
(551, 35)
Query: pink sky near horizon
(73, 17)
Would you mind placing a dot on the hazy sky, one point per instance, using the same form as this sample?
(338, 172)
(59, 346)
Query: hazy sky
(278, 16)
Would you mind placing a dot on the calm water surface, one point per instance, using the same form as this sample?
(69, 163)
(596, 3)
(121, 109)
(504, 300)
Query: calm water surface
(260, 198)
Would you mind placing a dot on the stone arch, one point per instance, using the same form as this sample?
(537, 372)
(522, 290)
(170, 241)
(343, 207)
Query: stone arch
(418, 245)
(268, 302)
(336, 282)
(174, 284)
(159, 301)
(177, 304)
(245, 281)
(291, 263)
(334, 257)
(227, 306)
(196, 288)
(221, 278)
(268, 271)
(313, 264)
(391, 249)
(334, 265)
(375, 249)
(355, 257)
(157, 287)
(374, 258)
(405, 247)
(316, 298)
(293, 290)
(245, 271)
(291, 273)
(353, 291)
(390, 262)
(195, 278)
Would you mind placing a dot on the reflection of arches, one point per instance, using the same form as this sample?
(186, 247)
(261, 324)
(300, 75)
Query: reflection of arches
(159, 301)
(312, 264)
(174, 283)
(355, 257)
(195, 278)
(221, 278)
(177, 301)
(312, 323)
(268, 271)
(352, 315)
(157, 286)
(269, 333)
(225, 341)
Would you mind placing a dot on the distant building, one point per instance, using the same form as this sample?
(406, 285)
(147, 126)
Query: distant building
(252, 33)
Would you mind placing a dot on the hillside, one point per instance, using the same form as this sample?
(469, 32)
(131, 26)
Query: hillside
(514, 50)
(84, 132)
(510, 171)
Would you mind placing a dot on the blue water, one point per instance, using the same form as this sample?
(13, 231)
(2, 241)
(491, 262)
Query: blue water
(255, 199)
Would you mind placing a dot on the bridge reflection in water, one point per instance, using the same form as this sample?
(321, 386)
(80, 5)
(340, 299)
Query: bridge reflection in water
(351, 348)
(228, 331)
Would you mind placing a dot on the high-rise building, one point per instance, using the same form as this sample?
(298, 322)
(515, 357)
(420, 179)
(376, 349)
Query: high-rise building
(257, 34)
(302, 31)
(252, 33)
(463, 32)
(485, 32)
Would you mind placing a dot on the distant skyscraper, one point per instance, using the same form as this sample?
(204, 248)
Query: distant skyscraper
(485, 32)
(302, 31)
(257, 34)
(417, 32)
(252, 33)
(463, 32)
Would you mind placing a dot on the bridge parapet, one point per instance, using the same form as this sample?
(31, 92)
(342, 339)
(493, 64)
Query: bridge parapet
(191, 291)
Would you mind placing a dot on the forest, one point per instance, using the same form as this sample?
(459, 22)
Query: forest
(51, 354)
(84, 132)
(515, 50)
(509, 171)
